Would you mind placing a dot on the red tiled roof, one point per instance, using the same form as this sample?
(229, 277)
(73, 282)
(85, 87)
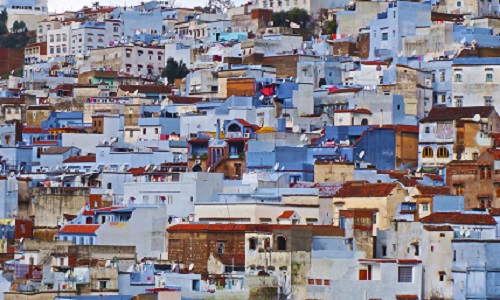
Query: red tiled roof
(374, 63)
(109, 208)
(347, 90)
(458, 218)
(184, 100)
(433, 190)
(231, 259)
(137, 171)
(88, 213)
(286, 214)
(351, 189)
(147, 88)
(438, 228)
(45, 143)
(355, 111)
(34, 130)
(401, 128)
(494, 211)
(251, 228)
(406, 297)
(456, 113)
(408, 182)
(80, 159)
(244, 122)
(434, 177)
(57, 150)
(79, 229)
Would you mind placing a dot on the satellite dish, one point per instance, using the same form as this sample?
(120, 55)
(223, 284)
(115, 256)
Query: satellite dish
(476, 118)
(361, 154)
(463, 40)
(291, 78)
(296, 128)
(282, 168)
(276, 166)
(191, 266)
(261, 97)
(303, 137)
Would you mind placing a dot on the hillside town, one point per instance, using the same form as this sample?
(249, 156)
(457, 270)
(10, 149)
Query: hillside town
(276, 149)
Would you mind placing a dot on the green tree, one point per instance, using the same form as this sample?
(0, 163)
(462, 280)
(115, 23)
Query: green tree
(15, 26)
(296, 15)
(174, 70)
(22, 26)
(3, 16)
(331, 27)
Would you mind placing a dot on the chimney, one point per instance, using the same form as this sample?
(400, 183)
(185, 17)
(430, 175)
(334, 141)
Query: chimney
(217, 130)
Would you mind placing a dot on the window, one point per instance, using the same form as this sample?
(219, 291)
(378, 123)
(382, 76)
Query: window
(394, 14)
(458, 77)
(405, 274)
(433, 77)
(441, 275)
(427, 129)
(384, 250)
(310, 281)
(417, 250)
(252, 244)
(425, 207)
(427, 152)
(281, 243)
(385, 36)
(442, 152)
(220, 247)
(23, 228)
(156, 130)
(144, 131)
(109, 185)
(488, 101)
(459, 3)
(454, 255)
(326, 282)
(489, 75)
(103, 284)
(459, 101)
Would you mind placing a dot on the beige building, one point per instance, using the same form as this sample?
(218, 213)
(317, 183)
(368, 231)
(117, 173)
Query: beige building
(145, 62)
(296, 209)
(330, 171)
(384, 197)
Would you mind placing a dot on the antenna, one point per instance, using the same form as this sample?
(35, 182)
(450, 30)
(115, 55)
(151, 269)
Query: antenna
(296, 129)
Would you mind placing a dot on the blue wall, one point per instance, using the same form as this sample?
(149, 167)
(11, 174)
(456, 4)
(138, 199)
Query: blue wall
(379, 147)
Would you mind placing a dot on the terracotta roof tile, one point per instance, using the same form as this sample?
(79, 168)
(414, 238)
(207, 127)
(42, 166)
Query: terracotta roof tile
(458, 218)
(406, 297)
(184, 100)
(320, 229)
(57, 150)
(355, 111)
(434, 177)
(231, 259)
(286, 214)
(137, 171)
(79, 229)
(80, 159)
(34, 130)
(434, 190)
(438, 228)
(456, 113)
(147, 88)
(351, 189)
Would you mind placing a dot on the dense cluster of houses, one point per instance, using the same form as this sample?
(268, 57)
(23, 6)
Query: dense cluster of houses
(291, 162)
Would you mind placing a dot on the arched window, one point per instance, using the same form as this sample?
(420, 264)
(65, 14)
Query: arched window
(91, 241)
(252, 244)
(364, 121)
(281, 243)
(82, 241)
(427, 152)
(442, 152)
